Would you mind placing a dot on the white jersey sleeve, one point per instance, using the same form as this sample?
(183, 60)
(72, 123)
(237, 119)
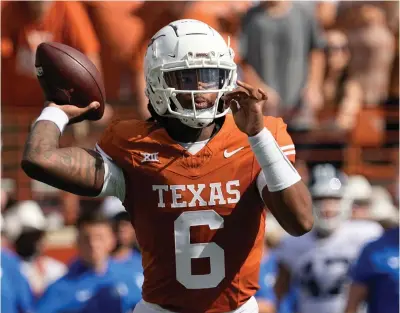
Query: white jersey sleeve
(360, 232)
(114, 180)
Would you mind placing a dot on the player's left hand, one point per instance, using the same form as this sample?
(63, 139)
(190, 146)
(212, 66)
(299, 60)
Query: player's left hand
(246, 104)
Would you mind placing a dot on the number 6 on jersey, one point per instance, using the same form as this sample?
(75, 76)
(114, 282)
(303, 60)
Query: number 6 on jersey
(185, 251)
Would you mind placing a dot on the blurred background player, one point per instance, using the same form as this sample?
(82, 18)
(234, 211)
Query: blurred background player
(26, 226)
(317, 265)
(321, 272)
(94, 283)
(375, 276)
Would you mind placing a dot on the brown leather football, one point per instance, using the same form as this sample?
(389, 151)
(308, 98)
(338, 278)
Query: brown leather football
(67, 76)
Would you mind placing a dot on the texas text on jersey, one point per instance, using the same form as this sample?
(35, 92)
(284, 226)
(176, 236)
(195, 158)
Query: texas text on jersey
(191, 212)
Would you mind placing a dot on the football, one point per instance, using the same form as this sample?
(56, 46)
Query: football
(67, 76)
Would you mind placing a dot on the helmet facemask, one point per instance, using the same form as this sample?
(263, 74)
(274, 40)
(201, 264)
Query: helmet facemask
(192, 94)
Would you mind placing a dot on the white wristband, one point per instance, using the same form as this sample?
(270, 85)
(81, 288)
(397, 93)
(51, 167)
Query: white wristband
(278, 171)
(55, 115)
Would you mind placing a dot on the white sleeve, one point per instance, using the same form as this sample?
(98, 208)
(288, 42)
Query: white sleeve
(365, 231)
(114, 180)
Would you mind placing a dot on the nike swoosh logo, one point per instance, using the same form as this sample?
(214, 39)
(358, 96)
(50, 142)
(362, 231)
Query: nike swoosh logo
(229, 154)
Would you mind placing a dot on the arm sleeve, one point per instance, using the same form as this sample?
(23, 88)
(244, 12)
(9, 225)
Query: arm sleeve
(285, 143)
(112, 154)
(114, 180)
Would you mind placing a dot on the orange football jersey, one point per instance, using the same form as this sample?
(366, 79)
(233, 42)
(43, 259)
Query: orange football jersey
(199, 219)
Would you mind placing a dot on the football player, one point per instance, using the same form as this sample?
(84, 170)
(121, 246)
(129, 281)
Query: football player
(375, 275)
(321, 262)
(194, 179)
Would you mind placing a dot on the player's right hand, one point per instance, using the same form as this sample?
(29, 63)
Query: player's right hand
(74, 113)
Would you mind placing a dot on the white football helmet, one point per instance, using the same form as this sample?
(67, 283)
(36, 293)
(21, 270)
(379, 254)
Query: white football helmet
(178, 57)
(382, 208)
(327, 191)
(358, 189)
